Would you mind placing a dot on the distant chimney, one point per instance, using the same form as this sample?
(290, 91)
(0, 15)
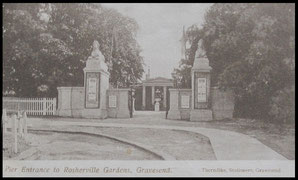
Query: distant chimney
(148, 74)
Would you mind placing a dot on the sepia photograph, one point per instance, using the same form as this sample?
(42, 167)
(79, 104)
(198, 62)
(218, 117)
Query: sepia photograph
(148, 90)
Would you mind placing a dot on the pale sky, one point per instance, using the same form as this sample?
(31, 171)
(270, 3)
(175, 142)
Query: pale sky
(161, 26)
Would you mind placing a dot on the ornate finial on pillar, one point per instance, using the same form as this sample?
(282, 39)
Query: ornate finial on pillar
(200, 51)
(96, 54)
(95, 51)
(98, 57)
(201, 61)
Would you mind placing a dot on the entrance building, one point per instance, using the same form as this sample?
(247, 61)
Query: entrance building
(156, 90)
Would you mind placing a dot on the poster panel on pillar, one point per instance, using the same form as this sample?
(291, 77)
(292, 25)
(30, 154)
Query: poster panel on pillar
(92, 90)
(112, 101)
(185, 101)
(202, 90)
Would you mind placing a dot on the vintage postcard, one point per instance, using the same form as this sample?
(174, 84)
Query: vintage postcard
(148, 90)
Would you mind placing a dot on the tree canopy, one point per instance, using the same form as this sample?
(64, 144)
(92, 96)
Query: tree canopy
(251, 48)
(47, 45)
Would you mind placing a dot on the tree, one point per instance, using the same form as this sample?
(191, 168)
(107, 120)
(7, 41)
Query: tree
(250, 46)
(115, 33)
(251, 50)
(21, 31)
(183, 72)
(47, 45)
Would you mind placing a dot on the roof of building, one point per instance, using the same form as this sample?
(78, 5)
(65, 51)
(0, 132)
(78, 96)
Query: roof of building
(158, 81)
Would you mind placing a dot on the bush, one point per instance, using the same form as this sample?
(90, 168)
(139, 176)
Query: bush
(282, 106)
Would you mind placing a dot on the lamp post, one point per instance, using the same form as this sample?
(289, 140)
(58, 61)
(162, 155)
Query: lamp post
(132, 94)
(131, 100)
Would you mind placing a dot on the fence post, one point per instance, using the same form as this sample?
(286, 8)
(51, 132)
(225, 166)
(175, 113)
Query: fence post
(15, 133)
(20, 125)
(54, 106)
(19, 114)
(4, 120)
(18, 121)
(44, 106)
(25, 122)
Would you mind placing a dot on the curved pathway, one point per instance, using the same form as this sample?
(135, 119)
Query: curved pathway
(146, 148)
(227, 145)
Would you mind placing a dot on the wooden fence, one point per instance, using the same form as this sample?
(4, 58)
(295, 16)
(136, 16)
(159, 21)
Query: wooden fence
(33, 106)
(18, 125)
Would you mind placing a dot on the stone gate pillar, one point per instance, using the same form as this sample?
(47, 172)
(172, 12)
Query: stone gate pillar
(200, 76)
(96, 83)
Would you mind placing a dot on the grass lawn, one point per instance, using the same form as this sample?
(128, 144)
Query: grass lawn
(8, 141)
(182, 145)
(65, 146)
(281, 138)
(68, 146)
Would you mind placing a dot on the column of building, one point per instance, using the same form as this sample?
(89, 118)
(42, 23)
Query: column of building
(153, 94)
(165, 96)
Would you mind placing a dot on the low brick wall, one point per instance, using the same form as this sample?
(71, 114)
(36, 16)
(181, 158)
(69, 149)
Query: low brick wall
(70, 101)
(117, 103)
(183, 108)
(180, 104)
(222, 103)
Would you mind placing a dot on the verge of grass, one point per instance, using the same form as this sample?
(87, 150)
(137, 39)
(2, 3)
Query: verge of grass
(8, 141)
